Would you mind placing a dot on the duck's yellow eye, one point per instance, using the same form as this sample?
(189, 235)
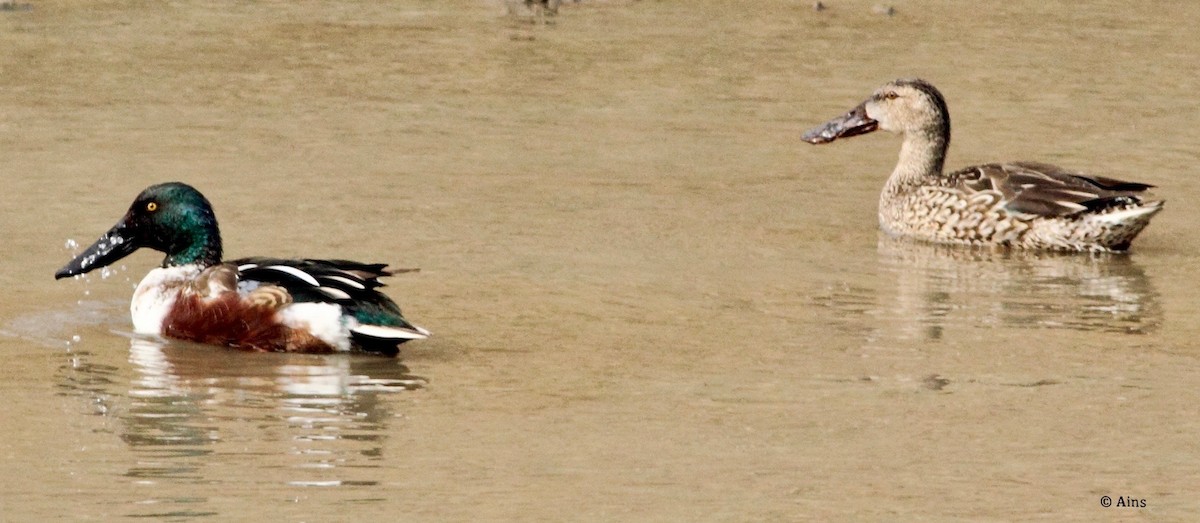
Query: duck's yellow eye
(152, 206)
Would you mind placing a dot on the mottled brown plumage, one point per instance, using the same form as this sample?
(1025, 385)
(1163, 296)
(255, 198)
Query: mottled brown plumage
(1020, 204)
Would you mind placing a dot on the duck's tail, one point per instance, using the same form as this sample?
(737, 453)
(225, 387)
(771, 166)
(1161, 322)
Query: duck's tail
(1140, 213)
(1118, 227)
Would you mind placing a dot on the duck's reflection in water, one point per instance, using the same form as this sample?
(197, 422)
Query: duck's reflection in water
(194, 414)
(922, 290)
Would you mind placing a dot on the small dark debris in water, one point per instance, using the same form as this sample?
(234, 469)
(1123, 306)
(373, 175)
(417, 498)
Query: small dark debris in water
(548, 7)
(818, 6)
(1038, 383)
(935, 382)
(881, 9)
(13, 6)
(538, 9)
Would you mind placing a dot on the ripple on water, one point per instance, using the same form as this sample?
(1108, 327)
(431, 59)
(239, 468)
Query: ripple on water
(196, 414)
(67, 328)
(917, 291)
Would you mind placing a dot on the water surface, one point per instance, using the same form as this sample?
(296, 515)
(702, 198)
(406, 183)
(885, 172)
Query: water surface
(650, 300)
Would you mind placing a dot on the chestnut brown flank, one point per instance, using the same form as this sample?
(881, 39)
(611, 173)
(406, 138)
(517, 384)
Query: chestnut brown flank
(228, 320)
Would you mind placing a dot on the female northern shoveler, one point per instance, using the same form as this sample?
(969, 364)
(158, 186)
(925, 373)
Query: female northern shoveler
(261, 304)
(1020, 204)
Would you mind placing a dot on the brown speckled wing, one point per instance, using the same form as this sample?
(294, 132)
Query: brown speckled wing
(1038, 189)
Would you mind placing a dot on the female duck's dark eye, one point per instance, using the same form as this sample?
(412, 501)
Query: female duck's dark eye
(152, 206)
(891, 95)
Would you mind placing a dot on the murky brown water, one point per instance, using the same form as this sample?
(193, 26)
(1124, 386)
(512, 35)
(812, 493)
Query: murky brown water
(651, 301)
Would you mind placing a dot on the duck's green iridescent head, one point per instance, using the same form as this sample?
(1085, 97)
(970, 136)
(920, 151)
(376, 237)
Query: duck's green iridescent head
(172, 217)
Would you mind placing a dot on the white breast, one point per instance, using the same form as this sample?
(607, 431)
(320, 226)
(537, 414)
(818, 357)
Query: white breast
(155, 296)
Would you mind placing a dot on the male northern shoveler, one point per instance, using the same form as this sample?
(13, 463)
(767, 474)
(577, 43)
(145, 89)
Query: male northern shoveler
(1020, 204)
(260, 304)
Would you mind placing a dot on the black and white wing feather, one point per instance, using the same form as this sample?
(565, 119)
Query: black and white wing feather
(352, 285)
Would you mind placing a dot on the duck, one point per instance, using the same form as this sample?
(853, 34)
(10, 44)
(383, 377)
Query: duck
(260, 304)
(1025, 205)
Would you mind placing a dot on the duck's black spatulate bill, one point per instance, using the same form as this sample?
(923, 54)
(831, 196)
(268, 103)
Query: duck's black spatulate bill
(853, 123)
(115, 244)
